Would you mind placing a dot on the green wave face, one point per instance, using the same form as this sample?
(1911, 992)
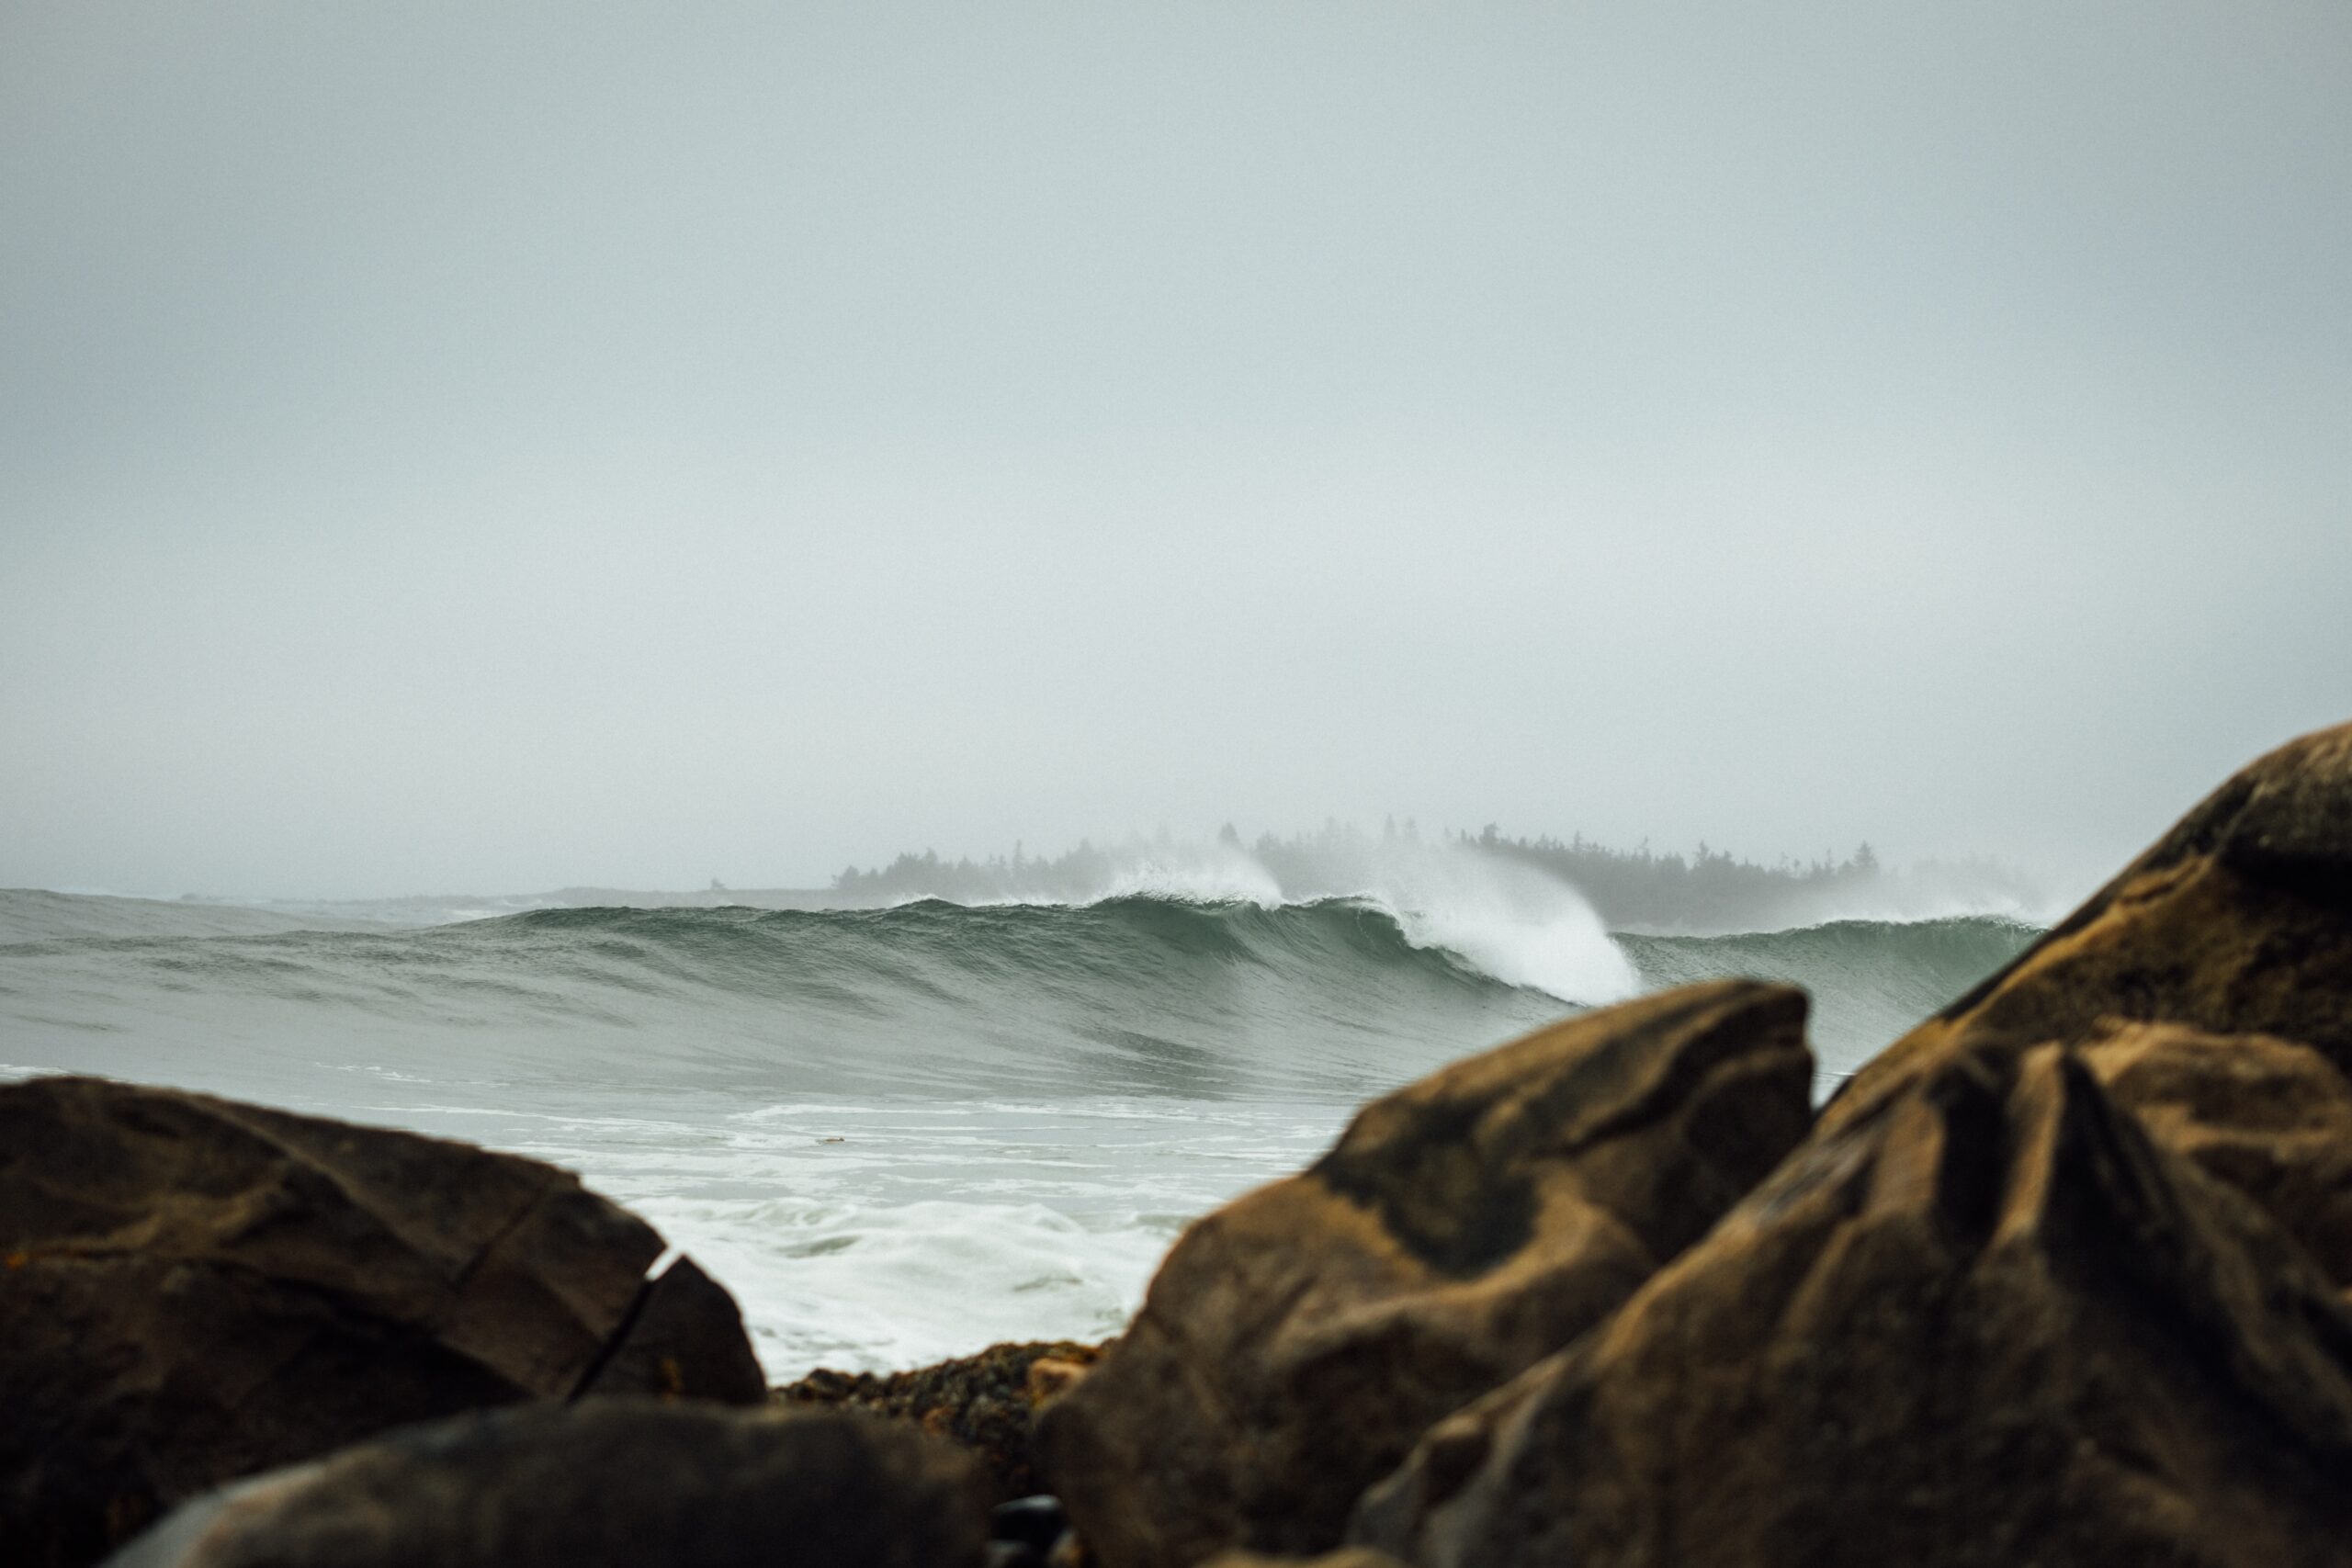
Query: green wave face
(1869, 980)
(1129, 997)
(1138, 995)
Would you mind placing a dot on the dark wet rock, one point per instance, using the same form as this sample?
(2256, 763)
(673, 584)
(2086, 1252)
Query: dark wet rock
(2267, 1116)
(604, 1483)
(1037, 1521)
(2237, 921)
(684, 1340)
(193, 1289)
(987, 1402)
(1023, 1532)
(1296, 1342)
(1990, 1321)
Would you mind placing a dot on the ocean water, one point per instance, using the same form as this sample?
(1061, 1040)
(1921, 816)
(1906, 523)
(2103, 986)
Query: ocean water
(896, 1134)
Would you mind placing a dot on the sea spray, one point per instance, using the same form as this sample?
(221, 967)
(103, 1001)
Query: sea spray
(1506, 920)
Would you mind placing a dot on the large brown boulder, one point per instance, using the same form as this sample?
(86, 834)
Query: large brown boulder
(609, 1484)
(1296, 1342)
(2238, 921)
(1990, 1323)
(193, 1289)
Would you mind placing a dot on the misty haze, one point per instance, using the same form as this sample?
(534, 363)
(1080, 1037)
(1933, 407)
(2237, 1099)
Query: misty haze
(928, 641)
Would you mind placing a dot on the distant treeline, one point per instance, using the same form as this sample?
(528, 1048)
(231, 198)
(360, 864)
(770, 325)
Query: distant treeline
(1708, 889)
(1081, 873)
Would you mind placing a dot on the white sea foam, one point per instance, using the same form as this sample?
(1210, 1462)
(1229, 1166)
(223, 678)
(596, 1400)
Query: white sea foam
(1514, 921)
(872, 1236)
(863, 1287)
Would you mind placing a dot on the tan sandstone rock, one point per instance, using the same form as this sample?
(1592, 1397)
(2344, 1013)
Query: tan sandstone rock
(1989, 1322)
(1296, 1342)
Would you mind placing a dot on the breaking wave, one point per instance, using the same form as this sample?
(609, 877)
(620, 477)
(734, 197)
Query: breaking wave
(899, 1133)
(1135, 993)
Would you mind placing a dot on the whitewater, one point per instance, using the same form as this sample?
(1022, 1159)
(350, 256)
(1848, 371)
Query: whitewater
(899, 1133)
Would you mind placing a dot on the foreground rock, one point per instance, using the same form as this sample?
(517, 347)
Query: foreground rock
(1991, 1323)
(609, 1484)
(193, 1289)
(985, 1403)
(1296, 1342)
(2237, 921)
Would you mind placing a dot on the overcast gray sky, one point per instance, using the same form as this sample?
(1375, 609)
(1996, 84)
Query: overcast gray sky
(498, 447)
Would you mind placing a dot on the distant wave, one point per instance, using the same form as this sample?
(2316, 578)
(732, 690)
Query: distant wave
(1133, 993)
(1514, 923)
(1126, 995)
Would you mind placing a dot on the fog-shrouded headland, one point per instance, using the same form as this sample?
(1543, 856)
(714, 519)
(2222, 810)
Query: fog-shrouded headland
(1708, 890)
